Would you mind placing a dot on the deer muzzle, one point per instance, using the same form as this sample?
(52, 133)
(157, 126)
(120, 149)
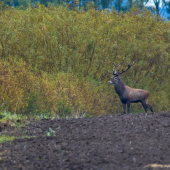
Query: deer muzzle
(110, 82)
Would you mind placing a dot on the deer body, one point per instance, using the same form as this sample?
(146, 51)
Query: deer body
(129, 95)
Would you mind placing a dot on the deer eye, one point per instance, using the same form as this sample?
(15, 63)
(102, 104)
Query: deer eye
(115, 77)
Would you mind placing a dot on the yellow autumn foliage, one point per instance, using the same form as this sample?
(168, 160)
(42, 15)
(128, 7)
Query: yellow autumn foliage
(56, 60)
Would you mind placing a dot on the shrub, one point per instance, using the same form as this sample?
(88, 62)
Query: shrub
(57, 60)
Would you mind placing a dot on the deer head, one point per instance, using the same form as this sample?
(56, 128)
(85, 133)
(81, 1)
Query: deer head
(115, 79)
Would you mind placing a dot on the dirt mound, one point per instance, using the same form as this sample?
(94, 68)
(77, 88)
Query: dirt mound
(108, 142)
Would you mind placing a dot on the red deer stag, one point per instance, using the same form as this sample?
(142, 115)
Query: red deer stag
(127, 94)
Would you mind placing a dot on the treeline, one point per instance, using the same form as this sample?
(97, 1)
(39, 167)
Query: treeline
(119, 5)
(56, 60)
(97, 4)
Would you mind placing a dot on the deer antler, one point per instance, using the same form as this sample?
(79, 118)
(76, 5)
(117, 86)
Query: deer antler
(114, 73)
(129, 65)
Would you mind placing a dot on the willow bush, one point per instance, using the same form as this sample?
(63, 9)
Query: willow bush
(56, 60)
(25, 92)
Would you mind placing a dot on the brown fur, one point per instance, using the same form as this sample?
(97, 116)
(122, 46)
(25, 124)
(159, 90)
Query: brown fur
(129, 95)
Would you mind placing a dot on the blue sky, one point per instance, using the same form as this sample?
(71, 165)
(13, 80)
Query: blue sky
(163, 12)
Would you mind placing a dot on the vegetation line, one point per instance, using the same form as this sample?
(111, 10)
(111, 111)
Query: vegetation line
(55, 60)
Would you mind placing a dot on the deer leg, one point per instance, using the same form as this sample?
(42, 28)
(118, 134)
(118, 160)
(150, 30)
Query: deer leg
(150, 107)
(124, 107)
(128, 107)
(145, 106)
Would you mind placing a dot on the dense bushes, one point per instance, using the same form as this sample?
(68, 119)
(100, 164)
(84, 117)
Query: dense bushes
(25, 92)
(57, 60)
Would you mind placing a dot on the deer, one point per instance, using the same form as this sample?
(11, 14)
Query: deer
(127, 94)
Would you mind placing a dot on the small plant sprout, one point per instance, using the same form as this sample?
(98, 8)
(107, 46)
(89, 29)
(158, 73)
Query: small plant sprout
(51, 132)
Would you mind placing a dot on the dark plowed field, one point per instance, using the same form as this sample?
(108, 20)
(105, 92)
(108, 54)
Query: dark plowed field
(119, 142)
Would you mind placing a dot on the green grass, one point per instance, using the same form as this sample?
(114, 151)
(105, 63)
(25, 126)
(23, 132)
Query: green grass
(7, 116)
(16, 119)
(5, 138)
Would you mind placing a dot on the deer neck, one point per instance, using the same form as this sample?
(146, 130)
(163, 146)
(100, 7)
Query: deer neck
(120, 88)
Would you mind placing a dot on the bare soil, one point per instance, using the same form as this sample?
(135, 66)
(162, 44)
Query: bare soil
(119, 142)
